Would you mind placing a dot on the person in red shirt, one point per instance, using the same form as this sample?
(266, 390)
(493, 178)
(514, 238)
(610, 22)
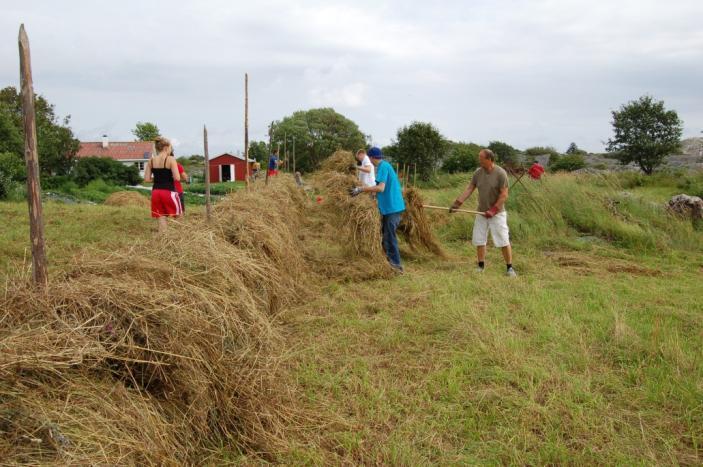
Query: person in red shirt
(536, 171)
(178, 186)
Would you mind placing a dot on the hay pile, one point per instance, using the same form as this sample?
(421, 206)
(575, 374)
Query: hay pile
(342, 162)
(150, 355)
(415, 228)
(127, 198)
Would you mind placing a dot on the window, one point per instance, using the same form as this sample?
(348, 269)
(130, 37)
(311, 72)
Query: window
(139, 165)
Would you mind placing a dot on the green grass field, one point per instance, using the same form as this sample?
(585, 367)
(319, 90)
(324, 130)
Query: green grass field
(593, 355)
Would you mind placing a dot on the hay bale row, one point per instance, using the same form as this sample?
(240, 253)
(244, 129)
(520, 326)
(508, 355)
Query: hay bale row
(415, 227)
(150, 355)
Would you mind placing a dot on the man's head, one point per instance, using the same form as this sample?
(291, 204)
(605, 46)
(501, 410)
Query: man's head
(486, 158)
(360, 154)
(375, 155)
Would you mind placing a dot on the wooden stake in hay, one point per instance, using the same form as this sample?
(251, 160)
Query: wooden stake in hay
(414, 226)
(127, 198)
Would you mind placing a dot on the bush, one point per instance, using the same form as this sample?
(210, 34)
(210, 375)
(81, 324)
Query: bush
(567, 163)
(541, 150)
(463, 157)
(505, 153)
(109, 170)
(13, 167)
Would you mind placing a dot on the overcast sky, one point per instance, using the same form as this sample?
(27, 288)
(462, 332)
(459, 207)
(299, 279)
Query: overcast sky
(539, 72)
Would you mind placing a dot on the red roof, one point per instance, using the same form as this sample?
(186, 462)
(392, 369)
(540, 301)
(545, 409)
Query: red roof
(117, 150)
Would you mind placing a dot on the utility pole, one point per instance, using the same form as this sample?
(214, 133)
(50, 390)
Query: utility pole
(36, 221)
(294, 155)
(285, 151)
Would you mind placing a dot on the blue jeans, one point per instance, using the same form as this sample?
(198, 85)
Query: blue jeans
(390, 240)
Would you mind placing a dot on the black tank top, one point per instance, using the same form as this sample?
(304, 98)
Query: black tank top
(163, 178)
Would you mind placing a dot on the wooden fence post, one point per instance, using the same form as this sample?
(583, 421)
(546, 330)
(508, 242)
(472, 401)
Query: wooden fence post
(31, 157)
(246, 128)
(207, 175)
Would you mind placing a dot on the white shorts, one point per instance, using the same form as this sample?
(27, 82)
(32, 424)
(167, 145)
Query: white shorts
(498, 225)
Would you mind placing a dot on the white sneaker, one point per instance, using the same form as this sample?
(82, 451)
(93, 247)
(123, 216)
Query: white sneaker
(479, 269)
(511, 272)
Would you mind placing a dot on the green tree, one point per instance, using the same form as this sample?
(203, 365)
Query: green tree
(318, 133)
(541, 151)
(422, 144)
(57, 146)
(146, 131)
(259, 151)
(505, 153)
(461, 157)
(573, 149)
(645, 133)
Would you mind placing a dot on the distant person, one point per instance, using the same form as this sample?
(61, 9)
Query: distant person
(492, 184)
(274, 163)
(367, 175)
(255, 168)
(390, 203)
(536, 171)
(177, 183)
(162, 170)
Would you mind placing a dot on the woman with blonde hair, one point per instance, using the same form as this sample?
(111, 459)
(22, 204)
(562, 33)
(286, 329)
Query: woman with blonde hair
(162, 169)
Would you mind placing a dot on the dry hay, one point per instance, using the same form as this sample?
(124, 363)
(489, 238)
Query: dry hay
(266, 222)
(352, 223)
(127, 198)
(342, 162)
(147, 356)
(414, 226)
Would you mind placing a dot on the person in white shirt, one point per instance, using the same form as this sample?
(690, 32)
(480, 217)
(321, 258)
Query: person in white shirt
(367, 177)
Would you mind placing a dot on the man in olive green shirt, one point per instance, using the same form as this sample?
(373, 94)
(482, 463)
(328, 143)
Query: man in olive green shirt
(492, 184)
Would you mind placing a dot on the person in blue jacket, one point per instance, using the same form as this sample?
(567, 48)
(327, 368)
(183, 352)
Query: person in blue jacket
(390, 202)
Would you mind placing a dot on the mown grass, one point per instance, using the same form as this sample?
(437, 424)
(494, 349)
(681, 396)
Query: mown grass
(593, 355)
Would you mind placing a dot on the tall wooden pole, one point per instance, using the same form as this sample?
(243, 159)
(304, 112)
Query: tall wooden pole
(270, 151)
(207, 175)
(285, 151)
(246, 127)
(294, 155)
(31, 157)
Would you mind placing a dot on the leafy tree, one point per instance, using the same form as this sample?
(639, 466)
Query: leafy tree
(505, 153)
(567, 163)
(462, 157)
(645, 133)
(146, 131)
(259, 151)
(197, 158)
(573, 149)
(13, 167)
(88, 169)
(422, 144)
(57, 146)
(318, 133)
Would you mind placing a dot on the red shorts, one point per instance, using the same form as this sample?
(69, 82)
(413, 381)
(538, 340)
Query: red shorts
(272, 172)
(165, 203)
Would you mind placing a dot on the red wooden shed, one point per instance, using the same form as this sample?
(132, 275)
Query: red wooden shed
(227, 167)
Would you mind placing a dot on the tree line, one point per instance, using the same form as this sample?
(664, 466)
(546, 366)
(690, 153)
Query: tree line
(644, 132)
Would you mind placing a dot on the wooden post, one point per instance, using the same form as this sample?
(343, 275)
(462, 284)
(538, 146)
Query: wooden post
(415, 174)
(294, 155)
(285, 151)
(270, 151)
(31, 157)
(207, 175)
(246, 128)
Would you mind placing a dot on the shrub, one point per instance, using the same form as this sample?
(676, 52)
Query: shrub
(567, 163)
(463, 157)
(112, 171)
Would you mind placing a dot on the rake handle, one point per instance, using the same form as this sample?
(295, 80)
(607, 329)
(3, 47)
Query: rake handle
(447, 209)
